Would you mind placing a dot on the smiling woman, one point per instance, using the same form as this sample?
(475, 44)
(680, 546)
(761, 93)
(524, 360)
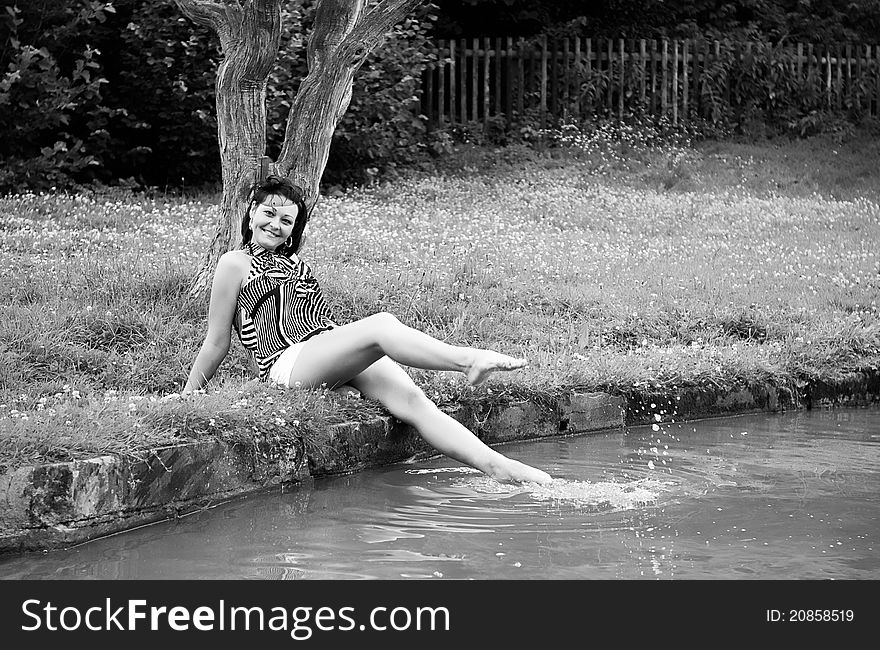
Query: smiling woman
(275, 303)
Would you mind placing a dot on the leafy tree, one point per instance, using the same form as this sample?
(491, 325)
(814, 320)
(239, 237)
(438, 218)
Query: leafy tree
(343, 35)
(50, 102)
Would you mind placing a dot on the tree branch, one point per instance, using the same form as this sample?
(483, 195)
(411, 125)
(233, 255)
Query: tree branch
(378, 21)
(334, 19)
(335, 54)
(203, 12)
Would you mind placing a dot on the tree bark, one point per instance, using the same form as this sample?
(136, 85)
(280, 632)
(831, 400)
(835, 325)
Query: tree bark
(342, 40)
(249, 35)
(249, 32)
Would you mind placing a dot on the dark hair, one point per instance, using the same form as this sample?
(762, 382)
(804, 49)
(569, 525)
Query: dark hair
(277, 186)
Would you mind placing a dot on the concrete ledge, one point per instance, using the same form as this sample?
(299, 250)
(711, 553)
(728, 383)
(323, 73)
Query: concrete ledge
(855, 389)
(689, 403)
(353, 446)
(584, 412)
(66, 503)
(59, 504)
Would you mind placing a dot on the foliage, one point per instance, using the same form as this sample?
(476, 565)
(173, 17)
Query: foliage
(106, 91)
(805, 20)
(750, 88)
(382, 128)
(49, 110)
(161, 89)
(124, 92)
(766, 93)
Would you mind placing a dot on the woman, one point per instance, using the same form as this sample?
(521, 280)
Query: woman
(281, 317)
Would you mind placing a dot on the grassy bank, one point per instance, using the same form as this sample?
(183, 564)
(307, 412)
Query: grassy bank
(617, 264)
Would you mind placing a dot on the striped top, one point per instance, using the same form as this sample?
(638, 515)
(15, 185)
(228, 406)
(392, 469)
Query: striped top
(279, 305)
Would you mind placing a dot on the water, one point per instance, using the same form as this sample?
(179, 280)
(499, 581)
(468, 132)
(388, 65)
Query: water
(776, 496)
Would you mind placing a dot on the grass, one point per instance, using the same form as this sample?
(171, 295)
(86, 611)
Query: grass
(614, 260)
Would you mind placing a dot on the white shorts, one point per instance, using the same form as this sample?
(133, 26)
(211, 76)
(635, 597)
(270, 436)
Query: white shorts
(283, 366)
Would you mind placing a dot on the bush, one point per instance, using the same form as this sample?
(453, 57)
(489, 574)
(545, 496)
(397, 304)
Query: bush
(382, 128)
(45, 110)
(95, 92)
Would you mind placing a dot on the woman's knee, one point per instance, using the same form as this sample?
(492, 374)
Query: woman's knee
(410, 401)
(383, 320)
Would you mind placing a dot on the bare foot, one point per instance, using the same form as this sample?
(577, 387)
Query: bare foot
(486, 362)
(514, 471)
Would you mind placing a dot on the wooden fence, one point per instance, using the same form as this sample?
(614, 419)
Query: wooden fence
(481, 79)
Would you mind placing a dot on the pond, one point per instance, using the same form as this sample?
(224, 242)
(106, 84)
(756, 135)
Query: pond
(772, 496)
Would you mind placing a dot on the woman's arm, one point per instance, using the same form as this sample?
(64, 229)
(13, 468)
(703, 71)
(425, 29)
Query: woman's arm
(221, 310)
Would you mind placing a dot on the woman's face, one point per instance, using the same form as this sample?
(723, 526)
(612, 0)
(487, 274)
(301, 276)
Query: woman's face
(272, 221)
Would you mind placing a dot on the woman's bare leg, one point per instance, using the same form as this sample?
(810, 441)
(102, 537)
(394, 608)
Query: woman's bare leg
(334, 357)
(388, 383)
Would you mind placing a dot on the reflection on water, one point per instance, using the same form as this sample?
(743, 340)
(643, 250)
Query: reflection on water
(765, 496)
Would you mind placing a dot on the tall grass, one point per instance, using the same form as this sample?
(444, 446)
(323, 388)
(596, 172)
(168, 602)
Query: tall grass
(644, 273)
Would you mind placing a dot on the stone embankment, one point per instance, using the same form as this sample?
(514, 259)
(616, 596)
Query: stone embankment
(59, 504)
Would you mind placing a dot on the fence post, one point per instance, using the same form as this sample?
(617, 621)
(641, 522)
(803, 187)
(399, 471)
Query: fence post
(463, 73)
(839, 52)
(509, 68)
(590, 70)
(849, 88)
(453, 84)
(698, 94)
(684, 81)
(643, 71)
(498, 68)
(522, 76)
(486, 84)
(441, 85)
(553, 77)
(577, 77)
(543, 81)
(809, 82)
(428, 81)
(665, 79)
(718, 58)
(675, 82)
(620, 95)
(475, 79)
(566, 80)
(828, 97)
(608, 101)
(858, 84)
(653, 76)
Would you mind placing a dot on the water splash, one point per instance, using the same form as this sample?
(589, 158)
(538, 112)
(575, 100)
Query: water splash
(444, 470)
(610, 494)
(603, 495)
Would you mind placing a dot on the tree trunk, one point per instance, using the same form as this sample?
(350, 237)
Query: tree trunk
(249, 37)
(341, 41)
(249, 34)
